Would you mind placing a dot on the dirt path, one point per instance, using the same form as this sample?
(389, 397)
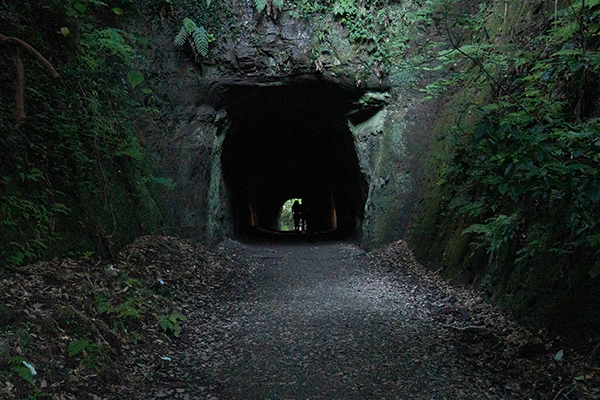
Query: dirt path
(326, 321)
(173, 319)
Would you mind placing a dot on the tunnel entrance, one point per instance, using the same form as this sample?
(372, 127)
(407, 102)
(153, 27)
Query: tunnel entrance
(292, 141)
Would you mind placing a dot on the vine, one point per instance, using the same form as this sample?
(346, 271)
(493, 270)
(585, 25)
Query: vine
(69, 177)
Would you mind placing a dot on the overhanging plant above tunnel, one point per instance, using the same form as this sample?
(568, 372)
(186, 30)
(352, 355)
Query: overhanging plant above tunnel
(272, 6)
(198, 38)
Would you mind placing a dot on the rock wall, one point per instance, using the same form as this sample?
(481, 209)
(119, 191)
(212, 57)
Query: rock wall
(267, 52)
(394, 132)
(381, 144)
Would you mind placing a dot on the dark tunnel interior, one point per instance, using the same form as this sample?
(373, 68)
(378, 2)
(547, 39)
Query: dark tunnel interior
(292, 141)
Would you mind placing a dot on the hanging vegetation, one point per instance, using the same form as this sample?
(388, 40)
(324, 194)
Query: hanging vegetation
(197, 37)
(72, 173)
(524, 175)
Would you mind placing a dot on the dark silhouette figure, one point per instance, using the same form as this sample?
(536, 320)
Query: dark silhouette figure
(297, 210)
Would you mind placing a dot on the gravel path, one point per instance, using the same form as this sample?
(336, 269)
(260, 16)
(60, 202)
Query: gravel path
(325, 321)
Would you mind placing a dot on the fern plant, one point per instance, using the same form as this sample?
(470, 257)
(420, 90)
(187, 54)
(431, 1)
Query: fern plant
(171, 323)
(197, 36)
(260, 5)
(271, 5)
(21, 368)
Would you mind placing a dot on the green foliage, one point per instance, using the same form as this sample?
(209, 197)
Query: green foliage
(132, 306)
(269, 5)
(197, 37)
(286, 216)
(377, 32)
(171, 324)
(79, 346)
(92, 354)
(260, 5)
(135, 78)
(537, 152)
(18, 366)
(103, 46)
(496, 231)
(68, 177)
(209, 14)
(40, 216)
(525, 169)
(304, 8)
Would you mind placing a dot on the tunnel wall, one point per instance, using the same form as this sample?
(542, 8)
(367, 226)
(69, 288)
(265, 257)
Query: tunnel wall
(220, 216)
(371, 127)
(375, 130)
(381, 145)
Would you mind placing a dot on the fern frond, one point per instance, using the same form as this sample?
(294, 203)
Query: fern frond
(181, 37)
(278, 4)
(338, 10)
(197, 35)
(200, 37)
(260, 5)
(189, 25)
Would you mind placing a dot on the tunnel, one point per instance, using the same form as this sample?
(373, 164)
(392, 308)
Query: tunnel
(292, 141)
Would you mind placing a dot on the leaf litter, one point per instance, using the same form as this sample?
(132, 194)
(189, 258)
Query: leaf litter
(170, 318)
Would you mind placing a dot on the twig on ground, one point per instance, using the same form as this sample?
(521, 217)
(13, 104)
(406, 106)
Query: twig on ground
(464, 328)
(595, 350)
(572, 386)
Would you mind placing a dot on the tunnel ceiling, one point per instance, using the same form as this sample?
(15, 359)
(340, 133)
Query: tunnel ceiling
(292, 141)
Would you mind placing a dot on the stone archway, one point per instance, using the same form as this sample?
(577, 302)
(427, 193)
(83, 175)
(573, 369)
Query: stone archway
(293, 140)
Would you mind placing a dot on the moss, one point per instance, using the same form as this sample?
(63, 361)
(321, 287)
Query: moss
(386, 227)
(217, 194)
(455, 251)
(374, 126)
(384, 158)
(330, 42)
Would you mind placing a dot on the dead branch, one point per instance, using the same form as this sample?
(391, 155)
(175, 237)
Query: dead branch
(19, 88)
(42, 60)
(20, 83)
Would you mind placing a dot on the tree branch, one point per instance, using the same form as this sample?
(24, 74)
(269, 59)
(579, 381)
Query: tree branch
(15, 41)
(489, 76)
(19, 88)
(20, 84)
